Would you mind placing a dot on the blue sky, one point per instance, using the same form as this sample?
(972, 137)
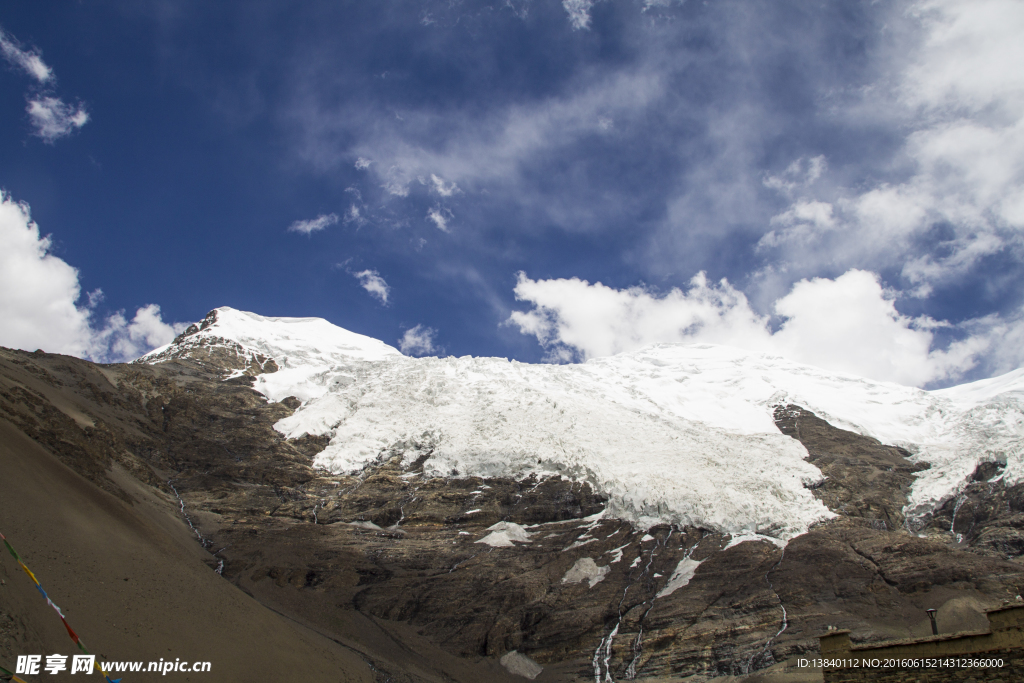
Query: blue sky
(460, 175)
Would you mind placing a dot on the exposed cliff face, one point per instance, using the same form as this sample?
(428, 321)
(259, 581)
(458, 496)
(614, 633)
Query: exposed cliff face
(437, 577)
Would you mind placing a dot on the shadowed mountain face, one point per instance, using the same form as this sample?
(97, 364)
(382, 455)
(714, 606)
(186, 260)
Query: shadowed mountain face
(173, 478)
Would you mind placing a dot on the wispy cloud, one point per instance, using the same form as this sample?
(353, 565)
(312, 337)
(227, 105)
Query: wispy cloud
(497, 151)
(438, 186)
(53, 119)
(419, 341)
(372, 282)
(961, 198)
(439, 217)
(773, 144)
(312, 225)
(579, 13)
(355, 215)
(649, 4)
(29, 61)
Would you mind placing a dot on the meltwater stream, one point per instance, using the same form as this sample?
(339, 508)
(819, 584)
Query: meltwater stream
(601, 663)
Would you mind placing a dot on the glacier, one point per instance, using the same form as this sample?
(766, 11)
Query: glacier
(672, 433)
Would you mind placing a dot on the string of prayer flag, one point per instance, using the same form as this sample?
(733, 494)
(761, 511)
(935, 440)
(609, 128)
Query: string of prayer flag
(74, 636)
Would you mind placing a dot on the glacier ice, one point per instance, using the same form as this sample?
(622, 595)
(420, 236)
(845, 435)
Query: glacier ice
(671, 433)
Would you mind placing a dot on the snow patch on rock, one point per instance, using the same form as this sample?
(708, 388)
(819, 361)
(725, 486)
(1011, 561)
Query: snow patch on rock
(518, 664)
(743, 538)
(503, 534)
(616, 553)
(586, 569)
(680, 577)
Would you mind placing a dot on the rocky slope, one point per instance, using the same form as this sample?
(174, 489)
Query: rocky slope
(426, 574)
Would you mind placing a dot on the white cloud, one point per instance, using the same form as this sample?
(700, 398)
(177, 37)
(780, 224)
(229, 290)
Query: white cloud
(38, 291)
(39, 295)
(310, 226)
(372, 282)
(129, 340)
(1001, 342)
(439, 217)
(799, 223)
(396, 181)
(362, 163)
(418, 341)
(648, 4)
(579, 13)
(849, 324)
(963, 107)
(596, 320)
(357, 210)
(354, 215)
(52, 118)
(27, 60)
(796, 177)
(437, 186)
(963, 64)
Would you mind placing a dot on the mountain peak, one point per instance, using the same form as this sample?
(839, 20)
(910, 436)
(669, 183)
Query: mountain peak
(239, 342)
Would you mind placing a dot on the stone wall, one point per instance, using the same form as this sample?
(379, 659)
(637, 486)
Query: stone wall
(939, 659)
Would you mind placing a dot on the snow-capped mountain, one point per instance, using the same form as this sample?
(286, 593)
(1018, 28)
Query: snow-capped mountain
(651, 514)
(672, 433)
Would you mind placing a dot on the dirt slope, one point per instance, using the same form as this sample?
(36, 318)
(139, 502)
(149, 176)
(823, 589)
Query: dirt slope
(133, 584)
